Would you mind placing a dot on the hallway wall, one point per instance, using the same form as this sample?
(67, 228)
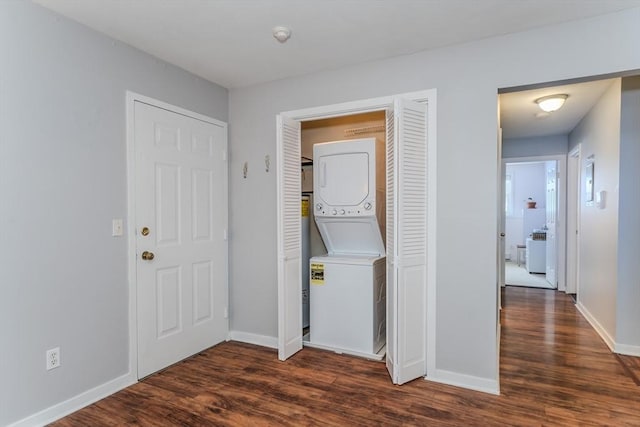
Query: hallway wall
(599, 135)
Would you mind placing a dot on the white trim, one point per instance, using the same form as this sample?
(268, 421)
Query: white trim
(360, 106)
(377, 357)
(76, 403)
(131, 98)
(597, 326)
(485, 385)
(561, 220)
(131, 236)
(382, 103)
(256, 339)
(432, 194)
(629, 350)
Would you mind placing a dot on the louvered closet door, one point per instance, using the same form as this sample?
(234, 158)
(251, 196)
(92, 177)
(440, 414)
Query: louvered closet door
(391, 242)
(289, 235)
(407, 243)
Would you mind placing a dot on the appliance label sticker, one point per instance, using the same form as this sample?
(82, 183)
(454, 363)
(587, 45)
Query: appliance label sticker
(305, 207)
(317, 274)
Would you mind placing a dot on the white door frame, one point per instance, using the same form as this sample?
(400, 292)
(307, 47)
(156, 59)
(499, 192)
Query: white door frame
(384, 103)
(574, 171)
(561, 220)
(131, 98)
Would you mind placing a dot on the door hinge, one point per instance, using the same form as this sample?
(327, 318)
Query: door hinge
(225, 234)
(226, 312)
(224, 155)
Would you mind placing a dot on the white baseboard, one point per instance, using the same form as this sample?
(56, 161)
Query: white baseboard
(465, 381)
(62, 409)
(249, 338)
(608, 340)
(628, 350)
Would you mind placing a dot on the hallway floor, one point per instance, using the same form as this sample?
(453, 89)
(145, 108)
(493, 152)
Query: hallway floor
(555, 370)
(517, 275)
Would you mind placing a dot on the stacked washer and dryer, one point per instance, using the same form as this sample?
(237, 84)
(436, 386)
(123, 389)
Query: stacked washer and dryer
(348, 285)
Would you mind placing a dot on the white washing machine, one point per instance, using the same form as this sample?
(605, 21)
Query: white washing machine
(348, 303)
(348, 285)
(536, 260)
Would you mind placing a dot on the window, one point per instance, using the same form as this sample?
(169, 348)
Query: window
(508, 195)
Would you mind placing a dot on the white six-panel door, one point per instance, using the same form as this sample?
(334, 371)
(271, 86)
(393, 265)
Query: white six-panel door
(180, 226)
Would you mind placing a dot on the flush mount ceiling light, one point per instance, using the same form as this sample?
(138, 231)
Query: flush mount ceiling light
(552, 102)
(281, 33)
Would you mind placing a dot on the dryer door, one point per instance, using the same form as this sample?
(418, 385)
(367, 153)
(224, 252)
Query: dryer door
(344, 178)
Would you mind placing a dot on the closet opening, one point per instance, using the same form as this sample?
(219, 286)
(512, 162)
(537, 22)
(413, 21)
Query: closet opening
(344, 286)
(409, 239)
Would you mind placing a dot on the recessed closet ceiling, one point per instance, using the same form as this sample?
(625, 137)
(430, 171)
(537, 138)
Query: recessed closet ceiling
(229, 41)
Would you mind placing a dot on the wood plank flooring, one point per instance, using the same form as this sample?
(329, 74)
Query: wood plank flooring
(555, 370)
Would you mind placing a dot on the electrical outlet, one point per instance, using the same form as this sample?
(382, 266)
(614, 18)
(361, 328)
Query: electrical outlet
(53, 358)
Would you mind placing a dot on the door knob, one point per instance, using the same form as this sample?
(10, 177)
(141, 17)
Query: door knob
(502, 234)
(147, 256)
(144, 231)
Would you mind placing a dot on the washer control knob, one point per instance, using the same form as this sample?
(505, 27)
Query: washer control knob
(334, 212)
(319, 206)
(342, 212)
(367, 206)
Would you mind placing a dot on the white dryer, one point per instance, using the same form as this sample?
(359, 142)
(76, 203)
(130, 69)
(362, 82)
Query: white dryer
(349, 180)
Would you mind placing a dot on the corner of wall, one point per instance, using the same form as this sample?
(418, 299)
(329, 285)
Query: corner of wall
(485, 385)
(76, 403)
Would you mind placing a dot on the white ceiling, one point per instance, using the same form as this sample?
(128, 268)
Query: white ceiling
(229, 42)
(520, 116)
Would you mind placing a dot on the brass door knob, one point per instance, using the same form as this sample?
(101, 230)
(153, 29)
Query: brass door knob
(144, 231)
(147, 256)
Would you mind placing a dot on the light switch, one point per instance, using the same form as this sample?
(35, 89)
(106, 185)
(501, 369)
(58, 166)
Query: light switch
(117, 227)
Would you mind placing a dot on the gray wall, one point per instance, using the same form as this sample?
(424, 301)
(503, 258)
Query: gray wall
(534, 146)
(467, 78)
(63, 278)
(599, 135)
(628, 299)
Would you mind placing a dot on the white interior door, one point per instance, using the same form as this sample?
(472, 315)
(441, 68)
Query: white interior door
(406, 241)
(289, 235)
(181, 249)
(573, 215)
(551, 221)
(502, 174)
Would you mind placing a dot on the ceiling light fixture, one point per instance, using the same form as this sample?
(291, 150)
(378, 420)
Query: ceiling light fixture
(281, 33)
(552, 102)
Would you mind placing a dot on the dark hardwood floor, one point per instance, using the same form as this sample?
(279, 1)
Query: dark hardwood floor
(555, 370)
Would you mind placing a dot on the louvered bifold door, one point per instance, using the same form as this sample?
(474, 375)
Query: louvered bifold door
(391, 269)
(410, 239)
(289, 246)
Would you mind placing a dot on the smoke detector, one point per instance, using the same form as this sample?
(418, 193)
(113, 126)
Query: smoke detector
(281, 33)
